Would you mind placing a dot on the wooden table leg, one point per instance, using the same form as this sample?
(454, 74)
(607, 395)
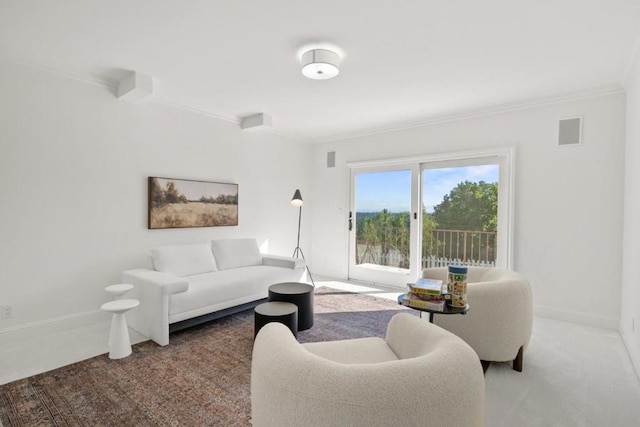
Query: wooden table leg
(517, 362)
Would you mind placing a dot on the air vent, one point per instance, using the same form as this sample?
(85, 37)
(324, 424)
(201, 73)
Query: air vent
(331, 159)
(570, 131)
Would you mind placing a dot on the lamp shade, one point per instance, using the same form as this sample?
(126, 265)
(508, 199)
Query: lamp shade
(297, 199)
(320, 64)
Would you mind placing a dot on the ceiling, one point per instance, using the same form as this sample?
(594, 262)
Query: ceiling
(404, 63)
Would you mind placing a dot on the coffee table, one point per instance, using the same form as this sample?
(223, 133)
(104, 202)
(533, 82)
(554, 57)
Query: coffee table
(447, 309)
(276, 311)
(300, 294)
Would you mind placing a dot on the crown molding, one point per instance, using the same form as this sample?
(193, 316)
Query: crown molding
(111, 84)
(230, 118)
(429, 121)
(291, 136)
(194, 108)
(57, 69)
(592, 92)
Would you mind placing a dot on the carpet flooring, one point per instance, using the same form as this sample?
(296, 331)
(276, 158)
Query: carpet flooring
(201, 379)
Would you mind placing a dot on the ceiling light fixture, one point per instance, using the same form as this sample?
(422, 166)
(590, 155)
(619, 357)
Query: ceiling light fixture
(320, 64)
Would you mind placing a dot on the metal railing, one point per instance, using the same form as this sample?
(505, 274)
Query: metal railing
(439, 248)
(464, 245)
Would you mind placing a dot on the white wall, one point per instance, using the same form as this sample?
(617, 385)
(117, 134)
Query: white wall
(568, 200)
(630, 311)
(74, 163)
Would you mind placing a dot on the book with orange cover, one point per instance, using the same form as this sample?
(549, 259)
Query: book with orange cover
(411, 300)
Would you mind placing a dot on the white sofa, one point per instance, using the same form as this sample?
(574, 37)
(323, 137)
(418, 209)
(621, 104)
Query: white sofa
(190, 284)
(419, 375)
(500, 320)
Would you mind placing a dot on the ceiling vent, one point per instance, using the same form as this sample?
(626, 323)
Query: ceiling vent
(135, 86)
(256, 122)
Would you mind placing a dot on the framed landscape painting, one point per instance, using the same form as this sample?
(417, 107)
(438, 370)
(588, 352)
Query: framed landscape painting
(182, 203)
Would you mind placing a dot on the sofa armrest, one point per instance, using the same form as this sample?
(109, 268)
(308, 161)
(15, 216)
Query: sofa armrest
(164, 283)
(411, 336)
(152, 289)
(284, 262)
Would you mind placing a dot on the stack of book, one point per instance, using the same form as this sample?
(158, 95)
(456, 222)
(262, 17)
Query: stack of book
(425, 294)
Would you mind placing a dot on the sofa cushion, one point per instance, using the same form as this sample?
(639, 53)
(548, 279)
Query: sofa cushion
(235, 253)
(184, 260)
(212, 292)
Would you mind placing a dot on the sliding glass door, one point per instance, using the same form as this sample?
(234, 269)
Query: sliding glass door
(381, 222)
(429, 212)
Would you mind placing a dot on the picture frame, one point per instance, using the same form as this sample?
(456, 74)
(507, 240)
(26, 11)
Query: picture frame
(184, 203)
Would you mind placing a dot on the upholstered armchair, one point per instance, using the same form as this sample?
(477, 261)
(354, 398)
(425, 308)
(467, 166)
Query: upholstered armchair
(419, 375)
(498, 325)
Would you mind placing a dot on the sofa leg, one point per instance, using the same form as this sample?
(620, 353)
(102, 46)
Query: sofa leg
(517, 362)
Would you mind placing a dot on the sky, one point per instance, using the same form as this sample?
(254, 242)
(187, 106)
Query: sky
(392, 190)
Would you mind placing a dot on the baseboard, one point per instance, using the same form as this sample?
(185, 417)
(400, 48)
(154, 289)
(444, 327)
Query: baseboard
(633, 354)
(53, 325)
(576, 317)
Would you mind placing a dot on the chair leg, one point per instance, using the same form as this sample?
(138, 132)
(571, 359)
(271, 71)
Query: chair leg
(517, 362)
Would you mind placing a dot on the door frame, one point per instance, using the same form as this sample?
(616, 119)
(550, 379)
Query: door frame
(505, 157)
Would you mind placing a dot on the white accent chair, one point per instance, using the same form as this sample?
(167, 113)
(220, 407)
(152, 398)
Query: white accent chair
(499, 323)
(419, 375)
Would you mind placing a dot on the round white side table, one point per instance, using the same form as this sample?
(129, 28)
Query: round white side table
(119, 342)
(119, 290)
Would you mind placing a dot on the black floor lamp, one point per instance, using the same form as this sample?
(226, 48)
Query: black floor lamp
(297, 252)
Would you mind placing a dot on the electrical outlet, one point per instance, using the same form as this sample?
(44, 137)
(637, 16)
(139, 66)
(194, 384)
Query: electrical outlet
(6, 311)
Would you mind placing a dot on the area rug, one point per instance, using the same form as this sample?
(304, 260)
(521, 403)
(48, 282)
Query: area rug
(201, 379)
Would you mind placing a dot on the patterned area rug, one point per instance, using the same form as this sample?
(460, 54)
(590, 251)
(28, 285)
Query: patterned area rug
(201, 379)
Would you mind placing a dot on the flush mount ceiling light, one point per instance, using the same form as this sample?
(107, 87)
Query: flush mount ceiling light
(320, 64)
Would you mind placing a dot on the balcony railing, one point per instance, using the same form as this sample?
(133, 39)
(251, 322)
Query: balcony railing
(473, 246)
(439, 248)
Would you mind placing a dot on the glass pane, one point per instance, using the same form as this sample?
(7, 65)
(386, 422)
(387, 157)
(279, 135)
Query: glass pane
(382, 206)
(460, 215)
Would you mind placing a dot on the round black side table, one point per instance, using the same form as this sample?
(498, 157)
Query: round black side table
(300, 294)
(447, 309)
(281, 312)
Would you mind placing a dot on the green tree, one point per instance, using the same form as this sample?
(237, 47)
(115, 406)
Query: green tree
(172, 195)
(388, 228)
(429, 245)
(157, 194)
(383, 233)
(369, 231)
(469, 206)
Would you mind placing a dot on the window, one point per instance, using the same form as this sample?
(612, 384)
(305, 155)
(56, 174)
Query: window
(460, 214)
